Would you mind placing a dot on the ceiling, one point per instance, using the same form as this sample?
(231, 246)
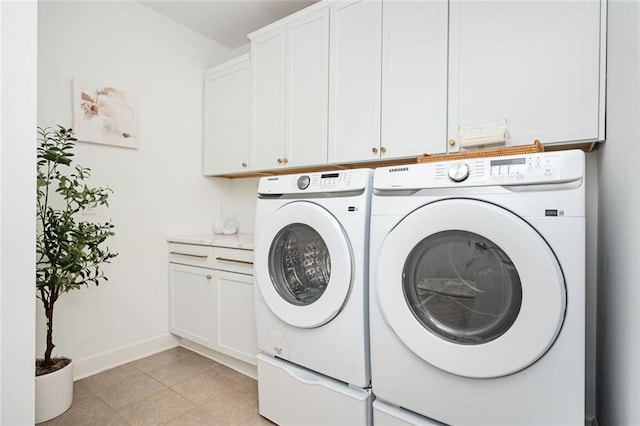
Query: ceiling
(226, 21)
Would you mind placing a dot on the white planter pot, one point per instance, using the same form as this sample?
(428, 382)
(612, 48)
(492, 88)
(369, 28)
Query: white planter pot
(54, 393)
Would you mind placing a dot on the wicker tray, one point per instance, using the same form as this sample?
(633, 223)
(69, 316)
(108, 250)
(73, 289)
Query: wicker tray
(498, 152)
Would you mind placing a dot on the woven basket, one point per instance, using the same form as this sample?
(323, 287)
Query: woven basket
(498, 152)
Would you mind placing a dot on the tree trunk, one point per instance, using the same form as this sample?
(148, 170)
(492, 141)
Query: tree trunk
(50, 345)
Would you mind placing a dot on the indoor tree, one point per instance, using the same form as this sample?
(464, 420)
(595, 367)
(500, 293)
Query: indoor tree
(70, 251)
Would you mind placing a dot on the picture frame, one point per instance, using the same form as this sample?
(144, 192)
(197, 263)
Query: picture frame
(105, 114)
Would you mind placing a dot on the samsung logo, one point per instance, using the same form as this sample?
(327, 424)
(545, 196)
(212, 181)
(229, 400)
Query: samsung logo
(273, 178)
(398, 169)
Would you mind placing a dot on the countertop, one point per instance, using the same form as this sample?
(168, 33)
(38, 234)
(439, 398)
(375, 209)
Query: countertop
(239, 241)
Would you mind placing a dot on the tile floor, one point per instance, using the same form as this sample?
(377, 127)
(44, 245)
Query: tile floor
(175, 387)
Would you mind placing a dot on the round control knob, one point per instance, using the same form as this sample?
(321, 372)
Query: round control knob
(303, 182)
(458, 172)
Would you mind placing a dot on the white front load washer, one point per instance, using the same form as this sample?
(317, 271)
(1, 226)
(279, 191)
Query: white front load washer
(478, 289)
(311, 274)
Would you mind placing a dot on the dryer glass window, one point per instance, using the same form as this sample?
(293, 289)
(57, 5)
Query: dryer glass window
(299, 264)
(462, 286)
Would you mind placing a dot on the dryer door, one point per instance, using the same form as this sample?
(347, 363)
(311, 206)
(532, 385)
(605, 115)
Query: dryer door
(471, 288)
(303, 265)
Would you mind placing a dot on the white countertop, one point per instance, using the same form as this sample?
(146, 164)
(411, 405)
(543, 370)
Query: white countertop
(239, 241)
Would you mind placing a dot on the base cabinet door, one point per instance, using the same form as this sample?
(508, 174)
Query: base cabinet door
(191, 295)
(532, 66)
(235, 324)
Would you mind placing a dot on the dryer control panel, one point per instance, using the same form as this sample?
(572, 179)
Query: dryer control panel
(530, 169)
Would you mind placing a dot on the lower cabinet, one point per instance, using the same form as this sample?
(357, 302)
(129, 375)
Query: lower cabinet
(210, 306)
(191, 295)
(234, 319)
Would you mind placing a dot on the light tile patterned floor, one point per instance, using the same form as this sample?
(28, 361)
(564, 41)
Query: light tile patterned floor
(176, 387)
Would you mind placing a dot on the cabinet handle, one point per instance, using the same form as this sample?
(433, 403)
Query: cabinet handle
(279, 160)
(199, 256)
(452, 142)
(208, 276)
(383, 149)
(226, 259)
(374, 150)
(244, 164)
(285, 160)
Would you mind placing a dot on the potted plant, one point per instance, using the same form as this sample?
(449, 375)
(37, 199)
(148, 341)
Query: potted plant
(70, 253)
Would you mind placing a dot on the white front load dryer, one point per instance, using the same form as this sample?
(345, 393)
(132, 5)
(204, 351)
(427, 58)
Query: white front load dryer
(311, 273)
(478, 289)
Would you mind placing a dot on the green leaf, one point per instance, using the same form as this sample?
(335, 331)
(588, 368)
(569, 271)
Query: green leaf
(70, 252)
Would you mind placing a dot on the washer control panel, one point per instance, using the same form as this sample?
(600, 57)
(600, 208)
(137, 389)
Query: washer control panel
(341, 181)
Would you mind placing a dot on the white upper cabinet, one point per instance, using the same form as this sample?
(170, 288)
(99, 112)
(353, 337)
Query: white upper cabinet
(290, 92)
(349, 81)
(307, 89)
(226, 118)
(414, 78)
(355, 81)
(268, 66)
(534, 65)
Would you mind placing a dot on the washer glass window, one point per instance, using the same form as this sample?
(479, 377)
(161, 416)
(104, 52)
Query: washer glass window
(299, 264)
(462, 287)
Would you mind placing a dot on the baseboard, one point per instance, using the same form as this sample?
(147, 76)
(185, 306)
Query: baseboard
(94, 364)
(236, 364)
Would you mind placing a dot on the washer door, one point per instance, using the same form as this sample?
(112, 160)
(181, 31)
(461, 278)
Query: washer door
(303, 265)
(471, 288)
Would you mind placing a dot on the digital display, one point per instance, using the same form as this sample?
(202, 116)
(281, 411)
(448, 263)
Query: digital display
(329, 175)
(508, 162)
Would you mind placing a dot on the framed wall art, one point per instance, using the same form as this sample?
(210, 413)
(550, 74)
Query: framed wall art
(105, 114)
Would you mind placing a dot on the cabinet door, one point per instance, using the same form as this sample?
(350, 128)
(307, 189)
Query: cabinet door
(191, 294)
(235, 321)
(354, 80)
(534, 64)
(268, 61)
(307, 89)
(414, 77)
(226, 118)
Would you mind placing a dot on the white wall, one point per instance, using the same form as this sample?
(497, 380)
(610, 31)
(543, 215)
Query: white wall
(619, 224)
(591, 179)
(242, 202)
(158, 188)
(18, 25)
